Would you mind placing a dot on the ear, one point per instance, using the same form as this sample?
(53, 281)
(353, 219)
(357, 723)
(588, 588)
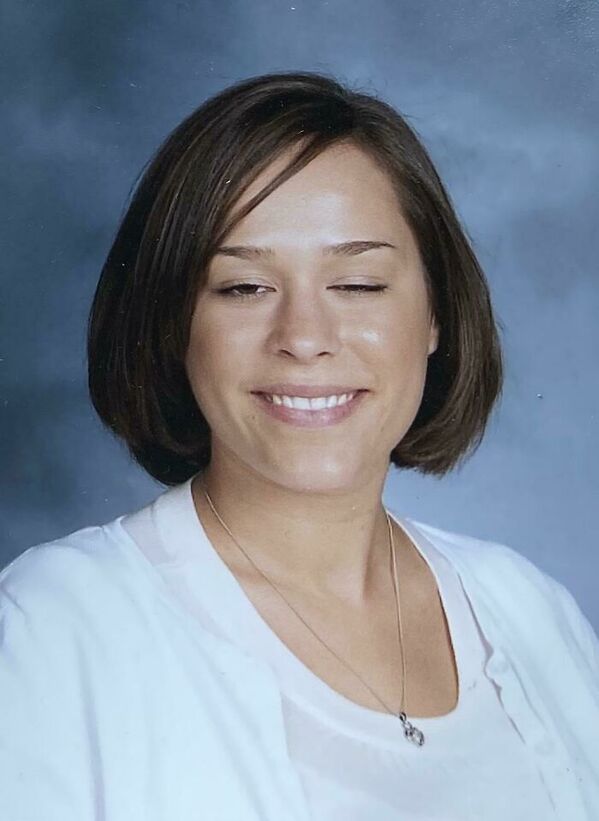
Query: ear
(433, 338)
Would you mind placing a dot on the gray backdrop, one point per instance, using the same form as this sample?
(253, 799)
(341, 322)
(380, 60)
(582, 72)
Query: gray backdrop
(505, 96)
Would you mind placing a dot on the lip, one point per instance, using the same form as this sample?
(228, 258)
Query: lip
(307, 391)
(309, 418)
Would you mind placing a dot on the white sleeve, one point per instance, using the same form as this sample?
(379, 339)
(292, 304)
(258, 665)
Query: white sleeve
(582, 639)
(582, 629)
(46, 770)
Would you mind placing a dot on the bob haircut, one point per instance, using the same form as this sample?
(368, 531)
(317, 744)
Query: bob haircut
(179, 214)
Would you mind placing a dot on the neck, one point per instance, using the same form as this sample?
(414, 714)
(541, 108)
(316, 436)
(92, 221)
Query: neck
(310, 542)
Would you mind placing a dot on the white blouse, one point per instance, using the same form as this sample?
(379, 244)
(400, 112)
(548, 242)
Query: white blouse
(354, 762)
(138, 683)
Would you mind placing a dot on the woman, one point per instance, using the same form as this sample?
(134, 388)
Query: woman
(290, 304)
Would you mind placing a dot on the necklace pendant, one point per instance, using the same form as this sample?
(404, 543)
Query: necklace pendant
(412, 733)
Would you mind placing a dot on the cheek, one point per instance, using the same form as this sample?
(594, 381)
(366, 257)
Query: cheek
(372, 337)
(207, 342)
(396, 346)
(397, 334)
(201, 362)
(215, 359)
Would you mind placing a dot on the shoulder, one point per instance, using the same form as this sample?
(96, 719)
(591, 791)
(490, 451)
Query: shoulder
(83, 559)
(85, 580)
(490, 561)
(509, 584)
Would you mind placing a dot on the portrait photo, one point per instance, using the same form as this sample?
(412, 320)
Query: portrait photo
(298, 380)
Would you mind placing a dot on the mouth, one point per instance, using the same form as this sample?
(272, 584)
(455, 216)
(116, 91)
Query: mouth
(313, 411)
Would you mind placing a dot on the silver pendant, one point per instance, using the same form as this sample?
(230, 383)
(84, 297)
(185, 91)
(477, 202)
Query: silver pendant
(412, 733)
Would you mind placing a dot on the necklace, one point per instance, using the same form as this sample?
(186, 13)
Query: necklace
(411, 732)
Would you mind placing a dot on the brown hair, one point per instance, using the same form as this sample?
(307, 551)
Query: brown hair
(179, 214)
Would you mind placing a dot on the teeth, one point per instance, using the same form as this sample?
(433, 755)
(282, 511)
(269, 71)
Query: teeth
(318, 403)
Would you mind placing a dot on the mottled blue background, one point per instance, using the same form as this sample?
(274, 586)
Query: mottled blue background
(505, 96)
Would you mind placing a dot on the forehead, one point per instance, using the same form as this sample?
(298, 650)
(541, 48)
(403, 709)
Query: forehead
(343, 191)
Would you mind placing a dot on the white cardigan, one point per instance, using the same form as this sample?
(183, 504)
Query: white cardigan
(115, 705)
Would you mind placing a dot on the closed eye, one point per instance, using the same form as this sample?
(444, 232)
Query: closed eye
(358, 288)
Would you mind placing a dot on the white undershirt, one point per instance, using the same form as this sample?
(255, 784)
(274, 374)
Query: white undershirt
(354, 763)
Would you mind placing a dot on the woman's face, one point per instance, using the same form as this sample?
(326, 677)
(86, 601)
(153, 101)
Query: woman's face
(299, 318)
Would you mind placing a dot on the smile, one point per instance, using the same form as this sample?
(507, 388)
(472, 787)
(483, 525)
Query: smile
(315, 404)
(318, 411)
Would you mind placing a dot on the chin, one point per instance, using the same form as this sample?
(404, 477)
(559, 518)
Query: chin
(318, 475)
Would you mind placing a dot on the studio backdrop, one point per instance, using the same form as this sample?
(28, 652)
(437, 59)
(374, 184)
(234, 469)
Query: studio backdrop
(504, 96)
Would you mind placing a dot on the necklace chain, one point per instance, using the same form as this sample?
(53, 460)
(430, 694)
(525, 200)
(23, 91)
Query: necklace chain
(411, 732)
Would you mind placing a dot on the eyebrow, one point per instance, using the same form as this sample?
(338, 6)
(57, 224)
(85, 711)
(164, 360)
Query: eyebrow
(342, 249)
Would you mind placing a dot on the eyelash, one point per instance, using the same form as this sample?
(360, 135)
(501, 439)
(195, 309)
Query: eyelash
(361, 289)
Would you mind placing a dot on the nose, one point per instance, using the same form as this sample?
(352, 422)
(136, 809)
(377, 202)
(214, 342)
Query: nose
(304, 326)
